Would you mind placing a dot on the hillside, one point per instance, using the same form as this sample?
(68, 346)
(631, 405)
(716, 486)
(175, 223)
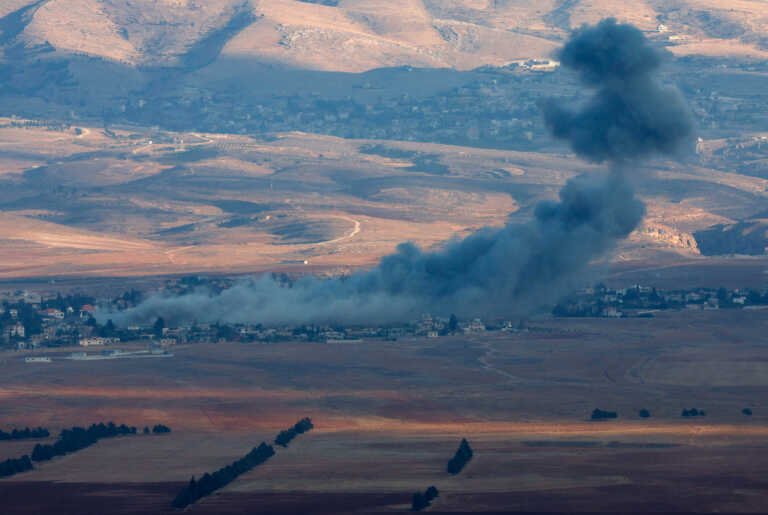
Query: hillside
(163, 136)
(359, 35)
(137, 201)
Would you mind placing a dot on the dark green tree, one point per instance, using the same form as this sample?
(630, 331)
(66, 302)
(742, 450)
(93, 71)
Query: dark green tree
(461, 458)
(453, 323)
(431, 493)
(419, 502)
(158, 327)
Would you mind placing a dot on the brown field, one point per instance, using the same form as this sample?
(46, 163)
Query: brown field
(388, 415)
(115, 206)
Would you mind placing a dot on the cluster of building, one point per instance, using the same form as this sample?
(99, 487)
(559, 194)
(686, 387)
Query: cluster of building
(497, 107)
(493, 110)
(643, 301)
(29, 321)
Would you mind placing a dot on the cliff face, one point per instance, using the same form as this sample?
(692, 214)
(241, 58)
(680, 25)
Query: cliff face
(668, 236)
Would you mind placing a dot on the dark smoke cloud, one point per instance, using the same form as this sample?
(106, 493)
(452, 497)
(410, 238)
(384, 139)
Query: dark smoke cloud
(493, 272)
(631, 114)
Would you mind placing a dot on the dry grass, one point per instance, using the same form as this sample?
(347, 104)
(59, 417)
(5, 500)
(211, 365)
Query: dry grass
(147, 217)
(389, 415)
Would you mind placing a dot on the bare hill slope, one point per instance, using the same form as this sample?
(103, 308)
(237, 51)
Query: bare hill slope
(358, 35)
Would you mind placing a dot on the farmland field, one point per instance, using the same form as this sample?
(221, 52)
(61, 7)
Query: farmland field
(388, 415)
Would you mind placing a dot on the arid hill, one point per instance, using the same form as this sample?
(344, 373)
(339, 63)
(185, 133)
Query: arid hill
(164, 136)
(358, 35)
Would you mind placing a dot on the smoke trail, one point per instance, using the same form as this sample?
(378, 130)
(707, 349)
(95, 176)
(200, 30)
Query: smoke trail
(494, 272)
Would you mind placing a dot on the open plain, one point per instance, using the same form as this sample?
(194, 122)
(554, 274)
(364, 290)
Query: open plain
(388, 415)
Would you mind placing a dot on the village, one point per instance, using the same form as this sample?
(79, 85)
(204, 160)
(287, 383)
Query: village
(496, 107)
(31, 321)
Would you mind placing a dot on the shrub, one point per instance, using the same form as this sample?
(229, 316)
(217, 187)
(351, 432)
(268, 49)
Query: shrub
(422, 500)
(599, 414)
(461, 458)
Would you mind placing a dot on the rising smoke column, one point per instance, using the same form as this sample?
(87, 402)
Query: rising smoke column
(494, 272)
(631, 114)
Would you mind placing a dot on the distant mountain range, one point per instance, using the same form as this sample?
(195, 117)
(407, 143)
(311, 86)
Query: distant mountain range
(358, 35)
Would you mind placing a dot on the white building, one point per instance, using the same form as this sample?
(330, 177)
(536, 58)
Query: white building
(37, 359)
(92, 340)
(17, 330)
(476, 326)
(54, 313)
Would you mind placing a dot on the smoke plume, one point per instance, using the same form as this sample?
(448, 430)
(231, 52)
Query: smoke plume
(631, 114)
(494, 272)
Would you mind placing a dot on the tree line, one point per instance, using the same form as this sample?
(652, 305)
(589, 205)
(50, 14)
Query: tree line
(209, 483)
(461, 458)
(77, 438)
(13, 466)
(599, 414)
(22, 434)
(70, 440)
(285, 436)
(423, 500)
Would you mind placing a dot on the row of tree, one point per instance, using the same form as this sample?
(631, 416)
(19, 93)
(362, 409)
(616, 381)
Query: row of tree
(599, 414)
(209, 483)
(15, 465)
(461, 458)
(285, 436)
(72, 440)
(423, 500)
(22, 434)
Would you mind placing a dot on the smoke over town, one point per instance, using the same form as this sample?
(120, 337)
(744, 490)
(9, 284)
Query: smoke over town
(507, 271)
